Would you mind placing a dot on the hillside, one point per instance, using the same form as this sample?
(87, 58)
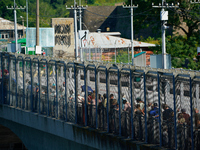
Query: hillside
(48, 9)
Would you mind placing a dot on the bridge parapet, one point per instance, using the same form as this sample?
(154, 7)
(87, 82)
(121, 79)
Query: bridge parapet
(137, 103)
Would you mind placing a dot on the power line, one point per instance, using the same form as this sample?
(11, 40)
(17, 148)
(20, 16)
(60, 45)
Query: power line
(184, 14)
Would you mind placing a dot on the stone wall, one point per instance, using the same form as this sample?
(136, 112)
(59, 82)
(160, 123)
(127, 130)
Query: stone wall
(64, 37)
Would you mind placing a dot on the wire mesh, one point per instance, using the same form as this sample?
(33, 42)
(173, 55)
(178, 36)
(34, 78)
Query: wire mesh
(91, 98)
(102, 110)
(6, 87)
(63, 92)
(36, 83)
(114, 116)
(167, 113)
(71, 94)
(152, 109)
(126, 104)
(90, 54)
(184, 105)
(52, 72)
(28, 86)
(13, 84)
(1, 81)
(80, 107)
(20, 82)
(139, 107)
(43, 88)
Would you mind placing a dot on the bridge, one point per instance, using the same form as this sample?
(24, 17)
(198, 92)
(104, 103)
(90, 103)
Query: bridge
(53, 104)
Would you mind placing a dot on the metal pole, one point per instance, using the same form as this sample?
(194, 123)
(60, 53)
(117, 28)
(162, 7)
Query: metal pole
(163, 27)
(128, 55)
(132, 48)
(115, 51)
(163, 40)
(15, 22)
(80, 28)
(15, 16)
(75, 30)
(75, 26)
(26, 24)
(163, 46)
(37, 24)
(22, 25)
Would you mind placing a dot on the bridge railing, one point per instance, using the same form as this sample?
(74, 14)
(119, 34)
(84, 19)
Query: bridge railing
(140, 103)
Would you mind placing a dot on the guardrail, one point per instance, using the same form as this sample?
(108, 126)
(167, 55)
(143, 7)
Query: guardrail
(140, 103)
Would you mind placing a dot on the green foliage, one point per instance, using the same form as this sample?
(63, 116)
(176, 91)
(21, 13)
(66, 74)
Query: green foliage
(181, 49)
(122, 56)
(91, 1)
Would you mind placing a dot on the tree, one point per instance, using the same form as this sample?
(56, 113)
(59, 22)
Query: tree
(122, 56)
(182, 51)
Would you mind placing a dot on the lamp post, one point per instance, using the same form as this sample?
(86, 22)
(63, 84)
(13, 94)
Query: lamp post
(22, 24)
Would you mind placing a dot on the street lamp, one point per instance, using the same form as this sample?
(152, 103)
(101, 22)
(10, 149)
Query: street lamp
(22, 24)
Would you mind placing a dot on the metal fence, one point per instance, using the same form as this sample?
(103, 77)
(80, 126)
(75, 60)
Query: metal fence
(149, 105)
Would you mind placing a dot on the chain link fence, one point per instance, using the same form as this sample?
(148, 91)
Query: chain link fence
(153, 106)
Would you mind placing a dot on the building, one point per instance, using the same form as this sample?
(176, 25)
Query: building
(112, 19)
(7, 30)
(104, 45)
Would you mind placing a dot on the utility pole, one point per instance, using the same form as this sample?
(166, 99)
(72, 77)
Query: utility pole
(80, 17)
(37, 23)
(22, 25)
(15, 18)
(164, 18)
(132, 48)
(75, 7)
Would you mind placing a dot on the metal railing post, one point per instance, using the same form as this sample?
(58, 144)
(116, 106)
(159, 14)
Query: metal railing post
(159, 110)
(108, 98)
(76, 91)
(131, 88)
(16, 78)
(2, 82)
(119, 99)
(86, 93)
(47, 73)
(192, 118)
(66, 95)
(175, 115)
(96, 95)
(39, 93)
(145, 107)
(23, 103)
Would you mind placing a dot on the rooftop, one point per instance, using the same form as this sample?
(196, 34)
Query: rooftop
(103, 40)
(9, 25)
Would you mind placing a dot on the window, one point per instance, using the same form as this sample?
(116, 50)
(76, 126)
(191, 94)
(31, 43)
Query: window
(4, 35)
(23, 49)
